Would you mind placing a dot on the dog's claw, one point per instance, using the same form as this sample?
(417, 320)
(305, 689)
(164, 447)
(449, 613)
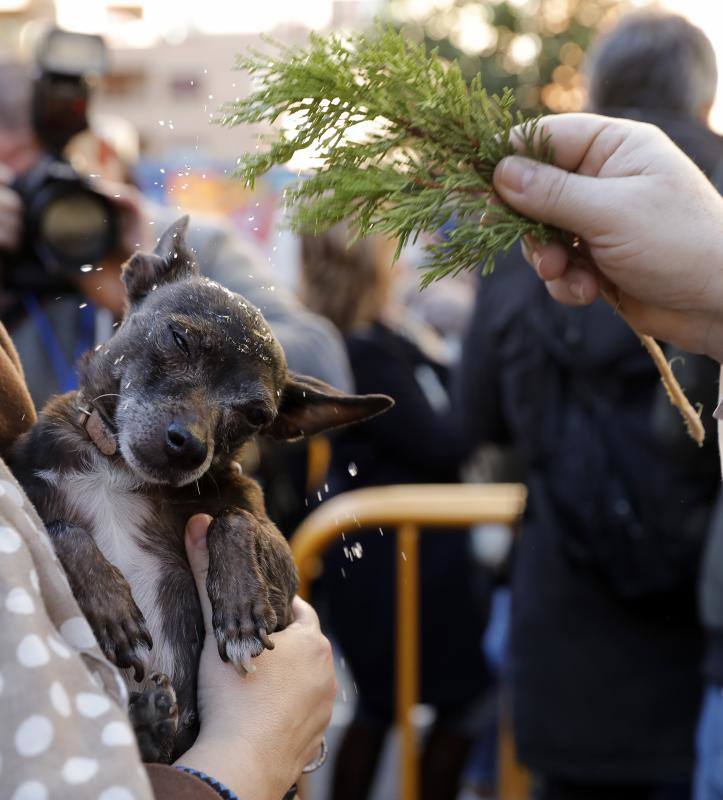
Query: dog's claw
(145, 635)
(138, 670)
(221, 643)
(265, 639)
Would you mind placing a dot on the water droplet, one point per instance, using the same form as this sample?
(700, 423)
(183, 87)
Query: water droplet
(86, 268)
(352, 468)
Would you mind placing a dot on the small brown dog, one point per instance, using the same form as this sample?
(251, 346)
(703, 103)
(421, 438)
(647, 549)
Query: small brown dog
(116, 468)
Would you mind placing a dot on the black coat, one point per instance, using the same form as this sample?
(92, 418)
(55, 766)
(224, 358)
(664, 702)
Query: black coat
(605, 650)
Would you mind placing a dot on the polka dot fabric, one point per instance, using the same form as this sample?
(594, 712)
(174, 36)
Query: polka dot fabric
(64, 730)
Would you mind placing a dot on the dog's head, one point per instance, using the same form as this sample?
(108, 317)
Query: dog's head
(194, 371)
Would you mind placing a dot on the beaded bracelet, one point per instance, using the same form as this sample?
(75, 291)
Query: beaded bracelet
(222, 790)
(217, 786)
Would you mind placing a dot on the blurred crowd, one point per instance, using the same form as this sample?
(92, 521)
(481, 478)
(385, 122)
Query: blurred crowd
(607, 608)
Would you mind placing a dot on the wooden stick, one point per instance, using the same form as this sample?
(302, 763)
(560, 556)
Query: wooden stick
(673, 389)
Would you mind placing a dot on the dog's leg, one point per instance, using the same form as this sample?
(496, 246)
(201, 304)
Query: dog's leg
(104, 597)
(251, 582)
(154, 714)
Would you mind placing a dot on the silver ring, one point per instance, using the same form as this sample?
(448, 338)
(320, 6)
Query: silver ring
(319, 760)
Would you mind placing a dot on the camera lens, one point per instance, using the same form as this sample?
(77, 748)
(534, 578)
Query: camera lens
(75, 227)
(67, 224)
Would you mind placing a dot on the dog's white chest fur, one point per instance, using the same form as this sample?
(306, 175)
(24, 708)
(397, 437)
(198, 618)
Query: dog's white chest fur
(108, 497)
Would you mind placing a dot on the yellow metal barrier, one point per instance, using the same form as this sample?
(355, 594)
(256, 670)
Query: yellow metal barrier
(407, 508)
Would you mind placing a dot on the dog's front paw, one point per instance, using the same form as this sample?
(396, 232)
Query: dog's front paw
(251, 582)
(117, 622)
(242, 623)
(154, 715)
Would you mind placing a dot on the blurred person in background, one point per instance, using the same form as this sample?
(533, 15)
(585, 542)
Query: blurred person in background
(52, 327)
(605, 650)
(418, 441)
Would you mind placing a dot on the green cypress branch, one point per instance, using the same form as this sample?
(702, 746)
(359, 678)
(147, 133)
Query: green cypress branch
(428, 160)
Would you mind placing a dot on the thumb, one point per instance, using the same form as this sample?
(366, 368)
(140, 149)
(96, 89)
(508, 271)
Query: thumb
(197, 552)
(548, 194)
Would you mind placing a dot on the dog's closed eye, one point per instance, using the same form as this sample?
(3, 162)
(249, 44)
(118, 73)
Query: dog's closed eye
(181, 342)
(257, 416)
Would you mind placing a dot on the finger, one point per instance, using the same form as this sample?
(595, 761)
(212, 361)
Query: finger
(7, 176)
(120, 194)
(197, 552)
(578, 287)
(549, 194)
(10, 202)
(572, 136)
(549, 260)
(304, 613)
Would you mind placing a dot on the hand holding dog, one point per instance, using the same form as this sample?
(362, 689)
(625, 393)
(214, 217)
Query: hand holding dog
(257, 733)
(651, 221)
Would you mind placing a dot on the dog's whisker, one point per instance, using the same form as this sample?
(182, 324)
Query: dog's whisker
(109, 394)
(215, 482)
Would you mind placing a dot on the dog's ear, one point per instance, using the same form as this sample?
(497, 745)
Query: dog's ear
(310, 406)
(172, 260)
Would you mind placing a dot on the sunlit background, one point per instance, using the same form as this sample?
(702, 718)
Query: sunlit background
(534, 45)
(171, 69)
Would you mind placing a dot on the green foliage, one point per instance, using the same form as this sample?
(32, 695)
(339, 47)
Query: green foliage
(406, 146)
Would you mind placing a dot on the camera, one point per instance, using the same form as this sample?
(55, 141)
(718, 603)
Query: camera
(67, 223)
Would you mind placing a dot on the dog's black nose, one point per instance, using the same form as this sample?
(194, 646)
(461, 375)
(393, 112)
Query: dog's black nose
(183, 447)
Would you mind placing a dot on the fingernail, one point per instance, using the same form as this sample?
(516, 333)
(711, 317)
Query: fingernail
(515, 173)
(536, 261)
(577, 292)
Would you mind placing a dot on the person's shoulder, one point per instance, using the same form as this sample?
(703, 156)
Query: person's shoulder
(377, 343)
(368, 338)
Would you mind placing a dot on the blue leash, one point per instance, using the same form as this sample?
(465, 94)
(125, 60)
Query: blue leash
(65, 373)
